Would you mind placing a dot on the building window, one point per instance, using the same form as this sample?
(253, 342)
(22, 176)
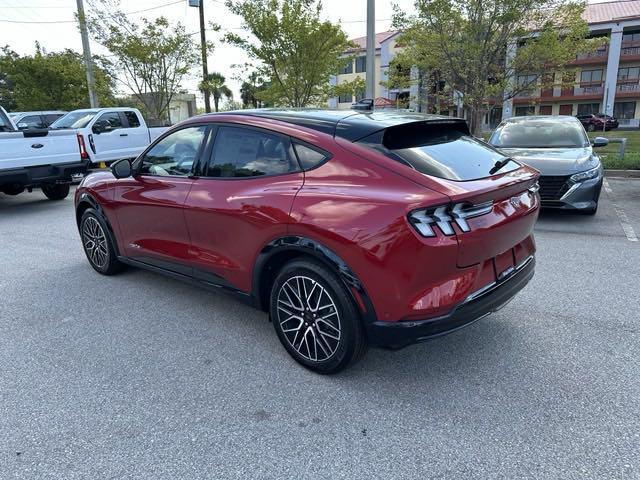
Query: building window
(359, 95)
(545, 109)
(624, 110)
(348, 68)
(628, 73)
(524, 111)
(527, 81)
(591, 76)
(631, 37)
(566, 109)
(361, 64)
(345, 98)
(588, 108)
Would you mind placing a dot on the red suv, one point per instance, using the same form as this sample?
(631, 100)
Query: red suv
(350, 229)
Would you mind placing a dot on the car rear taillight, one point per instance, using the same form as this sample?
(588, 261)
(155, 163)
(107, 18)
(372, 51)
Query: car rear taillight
(444, 216)
(83, 150)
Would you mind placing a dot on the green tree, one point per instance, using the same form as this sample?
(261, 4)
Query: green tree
(151, 58)
(49, 81)
(467, 42)
(398, 78)
(252, 90)
(215, 86)
(294, 49)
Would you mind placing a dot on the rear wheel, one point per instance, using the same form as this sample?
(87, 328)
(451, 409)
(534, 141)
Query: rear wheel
(97, 244)
(56, 191)
(315, 318)
(12, 189)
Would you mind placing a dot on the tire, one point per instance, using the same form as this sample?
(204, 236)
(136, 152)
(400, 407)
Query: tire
(97, 244)
(56, 191)
(591, 127)
(12, 189)
(332, 334)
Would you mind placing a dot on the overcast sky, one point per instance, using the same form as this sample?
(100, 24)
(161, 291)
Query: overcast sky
(51, 22)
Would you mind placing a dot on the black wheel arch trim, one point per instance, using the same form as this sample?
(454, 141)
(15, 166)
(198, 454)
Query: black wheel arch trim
(325, 255)
(86, 198)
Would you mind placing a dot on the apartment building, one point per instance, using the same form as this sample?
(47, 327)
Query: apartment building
(607, 80)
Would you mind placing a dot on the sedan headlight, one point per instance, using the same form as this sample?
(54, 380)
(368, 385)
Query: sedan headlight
(587, 175)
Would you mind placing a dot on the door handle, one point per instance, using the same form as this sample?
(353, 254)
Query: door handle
(124, 134)
(37, 145)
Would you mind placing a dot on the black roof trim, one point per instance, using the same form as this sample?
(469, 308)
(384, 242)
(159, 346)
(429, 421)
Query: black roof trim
(348, 124)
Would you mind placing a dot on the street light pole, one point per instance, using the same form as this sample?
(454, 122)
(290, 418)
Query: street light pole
(203, 46)
(371, 50)
(88, 61)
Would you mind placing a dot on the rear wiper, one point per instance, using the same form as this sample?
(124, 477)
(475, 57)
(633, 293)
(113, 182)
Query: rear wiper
(499, 164)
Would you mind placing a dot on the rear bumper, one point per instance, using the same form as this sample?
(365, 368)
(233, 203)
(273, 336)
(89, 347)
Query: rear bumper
(27, 176)
(403, 333)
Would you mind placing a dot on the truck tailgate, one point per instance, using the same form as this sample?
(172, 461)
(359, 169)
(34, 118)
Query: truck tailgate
(42, 147)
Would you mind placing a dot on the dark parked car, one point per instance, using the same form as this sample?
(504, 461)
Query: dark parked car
(349, 228)
(35, 120)
(571, 173)
(592, 123)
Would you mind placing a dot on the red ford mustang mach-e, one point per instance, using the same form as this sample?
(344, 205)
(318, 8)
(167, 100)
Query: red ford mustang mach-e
(350, 228)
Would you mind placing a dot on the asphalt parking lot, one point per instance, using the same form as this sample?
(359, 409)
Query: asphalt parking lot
(140, 376)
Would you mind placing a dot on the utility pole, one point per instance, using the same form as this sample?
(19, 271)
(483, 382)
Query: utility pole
(88, 60)
(371, 50)
(203, 45)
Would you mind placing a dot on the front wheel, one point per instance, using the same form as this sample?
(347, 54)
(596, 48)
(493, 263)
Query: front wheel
(315, 318)
(97, 244)
(56, 191)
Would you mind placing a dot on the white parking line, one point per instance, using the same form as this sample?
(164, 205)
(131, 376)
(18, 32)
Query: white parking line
(624, 220)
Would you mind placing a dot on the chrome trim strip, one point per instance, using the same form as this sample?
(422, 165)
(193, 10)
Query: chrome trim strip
(572, 189)
(492, 285)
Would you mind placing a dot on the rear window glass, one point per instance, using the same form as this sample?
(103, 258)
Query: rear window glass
(444, 151)
(309, 157)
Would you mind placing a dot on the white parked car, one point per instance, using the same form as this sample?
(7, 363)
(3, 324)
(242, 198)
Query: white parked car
(110, 134)
(38, 158)
(31, 120)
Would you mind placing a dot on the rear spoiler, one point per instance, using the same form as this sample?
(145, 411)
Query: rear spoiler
(412, 134)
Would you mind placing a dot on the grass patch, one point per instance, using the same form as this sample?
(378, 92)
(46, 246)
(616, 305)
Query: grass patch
(609, 154)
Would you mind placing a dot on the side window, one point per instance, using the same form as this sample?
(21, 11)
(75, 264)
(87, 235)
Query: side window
(31, 121)
(132, 118)
(175, 154)
(49, 118)
(110, 120)
(308, 157)
(241, 152)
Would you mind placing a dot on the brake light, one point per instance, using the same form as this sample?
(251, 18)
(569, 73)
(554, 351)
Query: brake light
(84, 155)
(444, 216)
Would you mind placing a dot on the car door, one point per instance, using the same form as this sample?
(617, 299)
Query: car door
(241, 201)
(137, 134)
(108, 139)
(150, 205)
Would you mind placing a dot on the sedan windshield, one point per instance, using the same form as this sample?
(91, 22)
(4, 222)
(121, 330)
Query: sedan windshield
(74, 119)
(540, 133)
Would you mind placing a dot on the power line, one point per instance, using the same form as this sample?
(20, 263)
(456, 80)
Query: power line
(73, 21)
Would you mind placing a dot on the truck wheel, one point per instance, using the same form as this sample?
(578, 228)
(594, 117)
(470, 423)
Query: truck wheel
(12, 189)
(56, 191)
(315, 319)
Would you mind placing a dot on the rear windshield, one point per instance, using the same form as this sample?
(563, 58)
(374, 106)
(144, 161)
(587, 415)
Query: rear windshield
(444, 151)
(74, 120)
(543, 133)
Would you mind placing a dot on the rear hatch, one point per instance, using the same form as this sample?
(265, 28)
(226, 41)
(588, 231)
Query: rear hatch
(494, 203)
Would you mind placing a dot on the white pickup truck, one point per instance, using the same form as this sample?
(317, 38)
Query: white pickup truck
(38, 158)
(110, 134)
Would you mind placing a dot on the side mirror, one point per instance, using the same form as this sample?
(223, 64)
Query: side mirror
(600, 142)
(23, 126)
(121, 168)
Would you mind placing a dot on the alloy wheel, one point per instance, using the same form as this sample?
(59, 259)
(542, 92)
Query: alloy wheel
(95, 242)
(309, 318)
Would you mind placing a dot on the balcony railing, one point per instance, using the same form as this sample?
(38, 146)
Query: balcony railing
(588, 90)
(628, 51)
(628, 87)
(600, 53)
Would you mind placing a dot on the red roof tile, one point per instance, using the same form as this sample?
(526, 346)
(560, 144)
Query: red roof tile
(609, 11)
(361, 42)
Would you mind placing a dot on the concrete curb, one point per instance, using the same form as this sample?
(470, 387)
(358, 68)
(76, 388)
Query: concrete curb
(622, 173)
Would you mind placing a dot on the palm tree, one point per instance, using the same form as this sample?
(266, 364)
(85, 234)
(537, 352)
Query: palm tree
(214, 84)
